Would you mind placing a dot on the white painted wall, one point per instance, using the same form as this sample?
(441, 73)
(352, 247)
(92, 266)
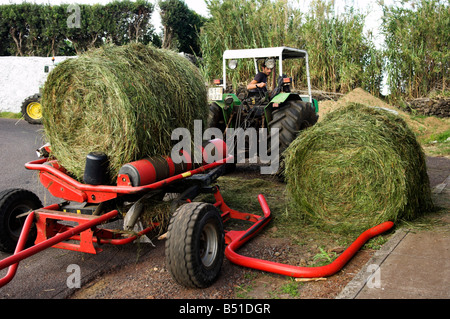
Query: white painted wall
(21, 77)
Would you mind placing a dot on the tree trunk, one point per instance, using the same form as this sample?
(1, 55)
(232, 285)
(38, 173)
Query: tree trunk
(18, 42)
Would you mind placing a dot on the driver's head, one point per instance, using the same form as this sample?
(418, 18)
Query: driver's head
(266, 70)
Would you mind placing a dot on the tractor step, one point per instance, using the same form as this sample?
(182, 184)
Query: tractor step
(50, 223)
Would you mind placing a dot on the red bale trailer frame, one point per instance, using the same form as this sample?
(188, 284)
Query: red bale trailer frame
(78, 222)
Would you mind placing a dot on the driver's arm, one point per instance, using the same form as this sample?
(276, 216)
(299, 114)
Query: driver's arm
(254, 84)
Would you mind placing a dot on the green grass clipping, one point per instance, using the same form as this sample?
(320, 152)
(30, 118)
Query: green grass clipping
(124, 101)
(358, 167)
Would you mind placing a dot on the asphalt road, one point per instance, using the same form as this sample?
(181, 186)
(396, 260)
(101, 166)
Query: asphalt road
(48, 274)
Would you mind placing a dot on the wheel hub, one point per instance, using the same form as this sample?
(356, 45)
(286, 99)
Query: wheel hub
(209, 245)
(34, 110)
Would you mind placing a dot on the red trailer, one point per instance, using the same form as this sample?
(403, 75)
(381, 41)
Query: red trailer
(78, 222)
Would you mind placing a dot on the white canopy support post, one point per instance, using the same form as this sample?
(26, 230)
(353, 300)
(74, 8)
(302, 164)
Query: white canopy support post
(224, 79)
(308, 80)
(280, 61)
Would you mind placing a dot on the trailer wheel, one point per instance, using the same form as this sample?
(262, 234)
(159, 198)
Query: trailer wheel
(14, 202)
(195, 245)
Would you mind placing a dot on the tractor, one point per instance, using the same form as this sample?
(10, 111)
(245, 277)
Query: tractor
(31, 107)
(287, 111)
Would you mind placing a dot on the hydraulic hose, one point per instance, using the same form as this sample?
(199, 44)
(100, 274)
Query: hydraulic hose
(296, 271)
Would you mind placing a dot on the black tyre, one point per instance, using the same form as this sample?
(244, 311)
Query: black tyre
(195, 245)
(14, 202)
(32, 109)
(215, 117)
(290, 119)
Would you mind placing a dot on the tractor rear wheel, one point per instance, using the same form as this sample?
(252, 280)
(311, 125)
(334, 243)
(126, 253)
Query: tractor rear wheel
(195, 245)
(32, 109)
(215, 117)
(14, 202)
(290, 119)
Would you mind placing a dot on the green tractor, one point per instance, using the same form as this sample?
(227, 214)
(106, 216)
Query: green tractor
(282, 109)
(31, 107)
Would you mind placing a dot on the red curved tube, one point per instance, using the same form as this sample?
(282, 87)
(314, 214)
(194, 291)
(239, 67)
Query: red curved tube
(38, 165)
(20, 246)
(295, 271)
(21, 254)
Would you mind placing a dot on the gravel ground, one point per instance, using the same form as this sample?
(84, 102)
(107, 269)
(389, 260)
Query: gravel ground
(148, 278)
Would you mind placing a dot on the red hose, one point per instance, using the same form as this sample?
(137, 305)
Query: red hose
(295, 271)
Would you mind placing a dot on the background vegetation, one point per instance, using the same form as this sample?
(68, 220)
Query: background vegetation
(29, 29)
(181, 27)
(417, 47)
(343, 56)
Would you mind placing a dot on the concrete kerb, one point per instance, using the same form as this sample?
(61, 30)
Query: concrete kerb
(355, 286)
(358, 283)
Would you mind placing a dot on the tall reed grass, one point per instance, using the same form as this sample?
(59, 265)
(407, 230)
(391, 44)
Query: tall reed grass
(342, 56)
(417, 48)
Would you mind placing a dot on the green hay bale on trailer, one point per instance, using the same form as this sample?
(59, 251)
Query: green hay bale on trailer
(357, 168)
(124, 101)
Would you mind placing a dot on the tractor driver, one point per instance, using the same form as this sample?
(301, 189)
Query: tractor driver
(260, 80)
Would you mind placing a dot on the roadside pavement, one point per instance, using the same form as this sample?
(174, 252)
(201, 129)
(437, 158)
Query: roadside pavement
(414, 263)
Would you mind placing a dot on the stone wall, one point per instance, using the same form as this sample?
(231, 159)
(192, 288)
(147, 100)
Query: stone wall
(439, 107)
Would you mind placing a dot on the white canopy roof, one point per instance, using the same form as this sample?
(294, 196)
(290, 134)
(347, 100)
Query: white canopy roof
(283, 52)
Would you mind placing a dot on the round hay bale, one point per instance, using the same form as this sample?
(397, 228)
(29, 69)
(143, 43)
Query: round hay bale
(123, 101)
(357, 168)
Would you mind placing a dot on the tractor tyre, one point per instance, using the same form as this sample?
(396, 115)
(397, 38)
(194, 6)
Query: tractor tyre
(290, 119)
(14, 202)
(195, 245)
(215, 117)
(32, 109)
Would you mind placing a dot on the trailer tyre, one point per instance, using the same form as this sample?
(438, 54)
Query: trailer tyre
(14, 202)
(195, 245)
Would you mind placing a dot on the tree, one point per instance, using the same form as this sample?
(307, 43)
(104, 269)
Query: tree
(44, 30)
(181, 27)
(417, 47)
(16, 26)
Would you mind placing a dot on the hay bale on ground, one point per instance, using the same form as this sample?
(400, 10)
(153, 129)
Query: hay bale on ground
(357, 168)
(123, 101)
